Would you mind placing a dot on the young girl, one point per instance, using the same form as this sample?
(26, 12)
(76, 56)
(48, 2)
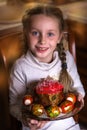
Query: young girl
(43, 28)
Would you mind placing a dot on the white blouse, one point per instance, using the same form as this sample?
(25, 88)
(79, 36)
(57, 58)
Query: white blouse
(28, 70)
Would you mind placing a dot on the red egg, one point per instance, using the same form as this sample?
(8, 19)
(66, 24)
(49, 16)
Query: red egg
(71, 97)
(27, 100)
(66, 106)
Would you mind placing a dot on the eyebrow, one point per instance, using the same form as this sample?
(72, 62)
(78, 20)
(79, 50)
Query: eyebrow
(52, 30)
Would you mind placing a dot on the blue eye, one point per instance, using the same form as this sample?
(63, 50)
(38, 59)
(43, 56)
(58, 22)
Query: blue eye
(35, 33)
(50, 34)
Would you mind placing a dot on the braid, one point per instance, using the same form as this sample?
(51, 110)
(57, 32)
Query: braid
(64, 78)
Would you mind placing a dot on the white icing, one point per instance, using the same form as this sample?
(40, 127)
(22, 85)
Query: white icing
(27, 102)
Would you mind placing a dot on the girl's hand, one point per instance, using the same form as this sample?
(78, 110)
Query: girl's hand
(35, 124)
(80, 99)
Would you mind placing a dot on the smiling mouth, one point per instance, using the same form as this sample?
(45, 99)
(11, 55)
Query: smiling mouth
(42, 48)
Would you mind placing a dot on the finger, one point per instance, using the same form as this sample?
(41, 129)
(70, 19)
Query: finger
(32, 126)
(82, 102)
(80, 97)
(41, 124)
(32, 121)
(35, 122)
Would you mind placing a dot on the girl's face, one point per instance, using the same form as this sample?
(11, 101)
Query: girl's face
(43, 36)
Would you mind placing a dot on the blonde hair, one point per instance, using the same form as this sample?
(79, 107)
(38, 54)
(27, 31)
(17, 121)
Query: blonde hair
(51, 11)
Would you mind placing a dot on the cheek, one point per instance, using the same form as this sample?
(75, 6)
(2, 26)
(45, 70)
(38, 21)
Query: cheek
(53, 45)
(31, 41)
(57, 39)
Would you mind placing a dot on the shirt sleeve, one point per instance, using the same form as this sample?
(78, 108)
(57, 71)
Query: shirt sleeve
(16, 91)
(72, 69)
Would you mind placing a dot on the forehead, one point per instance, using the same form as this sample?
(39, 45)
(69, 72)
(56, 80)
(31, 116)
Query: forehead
(41, 18)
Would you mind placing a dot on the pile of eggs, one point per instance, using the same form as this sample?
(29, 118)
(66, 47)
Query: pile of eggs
(37, 109)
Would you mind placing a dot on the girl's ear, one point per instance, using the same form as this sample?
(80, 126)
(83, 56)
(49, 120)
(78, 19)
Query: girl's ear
(60, 37)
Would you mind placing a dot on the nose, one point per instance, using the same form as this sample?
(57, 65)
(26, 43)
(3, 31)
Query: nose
(42, 39)
(43, 42)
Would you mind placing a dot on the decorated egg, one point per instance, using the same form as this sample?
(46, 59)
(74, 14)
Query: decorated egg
(53, 111)
(66, 106)
(27, 100)
(71, 97)
(37, 109)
